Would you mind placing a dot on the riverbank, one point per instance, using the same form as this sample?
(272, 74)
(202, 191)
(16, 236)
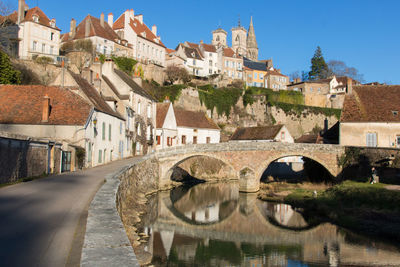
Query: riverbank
(361, 207)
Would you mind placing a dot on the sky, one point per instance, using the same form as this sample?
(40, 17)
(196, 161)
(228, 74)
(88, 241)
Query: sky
(365, 34)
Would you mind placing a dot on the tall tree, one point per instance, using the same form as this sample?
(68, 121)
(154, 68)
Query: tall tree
(339, 68)
(319, 68)
(8, 75)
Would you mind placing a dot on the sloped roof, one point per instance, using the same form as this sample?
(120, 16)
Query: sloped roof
(94, 97)
(276, 73)
(133, 85)
(209, 48)
(114, 89)
(43, 19)
(162, 110)
(193, 119)
(138, 28)
(254, 65)
(192, 53)
(307, 138)
(23, 104)
(170, 51)
(256, 133)
(96, 29)
(228, 52)
(193, 45)
(372, 104)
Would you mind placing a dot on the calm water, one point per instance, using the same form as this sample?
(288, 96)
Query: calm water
(215, 225)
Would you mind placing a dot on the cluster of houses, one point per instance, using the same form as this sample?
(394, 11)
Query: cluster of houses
(101, 114)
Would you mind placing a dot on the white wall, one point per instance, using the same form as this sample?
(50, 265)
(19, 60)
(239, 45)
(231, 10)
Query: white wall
(201, 134)
(284, 136)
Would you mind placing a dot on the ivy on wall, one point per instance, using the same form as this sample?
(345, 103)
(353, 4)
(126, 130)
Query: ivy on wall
(125, 64)
(223, 99)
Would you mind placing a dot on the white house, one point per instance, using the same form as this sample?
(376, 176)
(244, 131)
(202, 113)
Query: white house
(210, 57)
(147, 46)
(32, 33)
(166, 127)
(194, 62)
(195, 128)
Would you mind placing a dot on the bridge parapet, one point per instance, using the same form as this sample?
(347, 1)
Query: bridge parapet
(249, 159)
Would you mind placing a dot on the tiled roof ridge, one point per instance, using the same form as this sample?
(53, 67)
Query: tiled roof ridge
(360, 104)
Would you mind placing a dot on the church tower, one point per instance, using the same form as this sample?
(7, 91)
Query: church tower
(219, 37)
(239, 35)
(252, 48)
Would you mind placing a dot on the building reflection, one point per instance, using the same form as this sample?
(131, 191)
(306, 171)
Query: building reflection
(214, 225)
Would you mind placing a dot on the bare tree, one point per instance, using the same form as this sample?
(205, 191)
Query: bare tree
(295, 75)
(339, 68)
(5, 8)
(175, 73)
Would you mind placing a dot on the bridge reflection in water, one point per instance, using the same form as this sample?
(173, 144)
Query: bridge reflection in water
(214, 225)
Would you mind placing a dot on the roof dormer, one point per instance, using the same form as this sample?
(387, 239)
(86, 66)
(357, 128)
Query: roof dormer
(53, 23)
(35, 18)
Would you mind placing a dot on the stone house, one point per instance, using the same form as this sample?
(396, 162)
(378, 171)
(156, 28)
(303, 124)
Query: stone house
(275, 80)
(28, 33)
(370, 117)
(275, 133)
(194, 61)
(172, 59)
(23, 156)
(104, 39)
(146, 44)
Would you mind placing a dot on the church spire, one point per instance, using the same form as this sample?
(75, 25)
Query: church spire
(252, 47)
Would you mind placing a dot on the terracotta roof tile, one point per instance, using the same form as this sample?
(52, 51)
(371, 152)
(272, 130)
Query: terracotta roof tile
(96, 29)
(133, 85)
(24, 105)
(162, 110)
(276, 73)
(170, 51)
(209, 48)
(192, 119)
(256, 133)
(372, 104)
(43, 19)
(192, 52)
(139, 28)
(308, 139)
(228, 52)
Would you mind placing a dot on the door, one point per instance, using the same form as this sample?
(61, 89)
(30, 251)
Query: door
(66, 161)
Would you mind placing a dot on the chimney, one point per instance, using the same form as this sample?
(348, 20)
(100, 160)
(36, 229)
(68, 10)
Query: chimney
(127, 19)
(140, 18)
(72, 30)
(21, 11)
(349, 86)
(132, 13)
(154, 30)
(87, 27)
(102, 19)
(111, 20)
(46, 109)
(326, 125)
(201, 42)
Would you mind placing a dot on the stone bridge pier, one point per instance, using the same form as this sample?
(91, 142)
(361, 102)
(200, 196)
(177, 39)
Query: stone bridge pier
(247, 161)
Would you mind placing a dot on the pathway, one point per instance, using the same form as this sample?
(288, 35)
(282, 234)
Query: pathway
(43, 222)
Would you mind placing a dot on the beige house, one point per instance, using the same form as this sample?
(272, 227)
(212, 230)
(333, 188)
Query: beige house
(232, 64)
(172, 59)
(370, 117)
(28, 33)
(275, 80)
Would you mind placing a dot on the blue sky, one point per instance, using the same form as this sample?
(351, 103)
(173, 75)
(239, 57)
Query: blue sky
(365, 34)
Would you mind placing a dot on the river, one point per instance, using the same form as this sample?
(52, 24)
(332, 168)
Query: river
(215, 225)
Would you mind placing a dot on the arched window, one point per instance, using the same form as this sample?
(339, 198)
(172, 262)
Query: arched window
(237, 38)
(218, 39)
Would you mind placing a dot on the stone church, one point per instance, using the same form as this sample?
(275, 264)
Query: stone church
(244, 42)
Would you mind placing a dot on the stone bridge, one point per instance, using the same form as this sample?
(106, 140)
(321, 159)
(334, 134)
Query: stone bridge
(247, 160)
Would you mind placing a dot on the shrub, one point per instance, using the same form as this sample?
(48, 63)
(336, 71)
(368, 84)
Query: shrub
(125, 64)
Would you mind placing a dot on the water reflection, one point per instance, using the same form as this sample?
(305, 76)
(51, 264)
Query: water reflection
(214, 225)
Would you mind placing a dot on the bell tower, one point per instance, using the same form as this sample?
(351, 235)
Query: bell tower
(219, 37)
(239, 38)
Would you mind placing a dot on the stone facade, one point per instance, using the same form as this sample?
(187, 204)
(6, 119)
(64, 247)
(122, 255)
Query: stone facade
(24, 157)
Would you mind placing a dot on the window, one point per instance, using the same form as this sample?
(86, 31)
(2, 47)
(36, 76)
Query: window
(120, 127)
(218, 39)
(398, 141)
(139, 130)
(138, 108)
(158, 138)
(226, 63)
(255, 75)
(43, 48)
(52, 36)
(194, 139)
(148, 133)
(194, 62)
(311, 89)
(149, 111)
(282, 136)
(261, 76)
(103, 131)
(168, 141)
(100, 156)
(208, 140)
(51, 49)
(210, 63)
(183, 139)
(34, 46)
(319, 90)
(89, 152)
(109, 132)
(371, 139)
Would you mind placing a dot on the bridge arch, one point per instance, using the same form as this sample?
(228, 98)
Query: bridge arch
(219, 167)
(329, 167)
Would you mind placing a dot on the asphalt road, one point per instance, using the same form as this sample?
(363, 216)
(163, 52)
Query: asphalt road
(42, 222)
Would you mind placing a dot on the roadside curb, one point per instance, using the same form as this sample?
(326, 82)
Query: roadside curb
(106, 243)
